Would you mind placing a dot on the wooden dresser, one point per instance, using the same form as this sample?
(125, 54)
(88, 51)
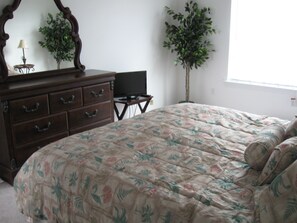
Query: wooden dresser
(37, 111)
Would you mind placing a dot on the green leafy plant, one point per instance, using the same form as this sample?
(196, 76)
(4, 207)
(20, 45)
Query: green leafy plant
(57, 38)
(188, 37)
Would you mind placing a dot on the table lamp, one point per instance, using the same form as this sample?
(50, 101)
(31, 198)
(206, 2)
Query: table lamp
(23, 45)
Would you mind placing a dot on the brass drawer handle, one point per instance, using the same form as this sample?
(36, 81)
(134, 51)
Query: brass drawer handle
(29, 110)
(40, 130)
(91, 115)
(99, 94)
(70, 101)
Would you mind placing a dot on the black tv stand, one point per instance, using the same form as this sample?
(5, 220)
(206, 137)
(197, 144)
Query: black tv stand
(128, 98)
(131, 101)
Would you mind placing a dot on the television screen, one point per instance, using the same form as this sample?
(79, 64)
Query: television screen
(130, 84)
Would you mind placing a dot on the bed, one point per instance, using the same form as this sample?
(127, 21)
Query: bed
(180, 163)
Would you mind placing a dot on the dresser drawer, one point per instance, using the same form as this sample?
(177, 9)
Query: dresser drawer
(96, 93)
(24, 152)
(39, 129)
(91, 126)
(28, 108)
(89, 114)
(65, 100)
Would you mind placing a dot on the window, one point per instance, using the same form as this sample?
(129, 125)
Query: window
(263, 42)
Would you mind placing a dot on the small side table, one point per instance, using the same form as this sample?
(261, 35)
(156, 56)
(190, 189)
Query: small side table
(24, 68)
(128, 102)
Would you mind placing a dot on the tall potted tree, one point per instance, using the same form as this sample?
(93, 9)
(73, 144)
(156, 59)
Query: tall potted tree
(57, 38)
(188, 37)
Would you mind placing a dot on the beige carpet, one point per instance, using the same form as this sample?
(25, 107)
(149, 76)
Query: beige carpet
(8, 210)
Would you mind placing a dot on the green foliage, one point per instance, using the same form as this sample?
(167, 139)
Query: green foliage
(26, 168)
(272, 163)
(57, 190)
(86, 136)
(147, 214)
(137, 181)
(78, 203)
(291, 208)
(144, 156)
(238, 219)
(145, 172)
(276, 184)
(57, 38)
(173, 142)
(174, 187)
(57, 165)
(98, 159)
(86, 183)
(40, 173)
(122, 193)
(167, 218)
(174, 157)
(22, 187)
(120, 216)
(189, 36)
(39, 214)
(95, 197)
(73, 179)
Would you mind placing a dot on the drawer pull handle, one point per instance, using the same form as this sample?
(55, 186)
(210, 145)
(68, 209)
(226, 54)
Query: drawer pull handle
(91, 115)
(29, 110)
(40, 130)
(99, 94)
(70, 101)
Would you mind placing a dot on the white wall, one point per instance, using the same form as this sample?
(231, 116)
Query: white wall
(128, 35)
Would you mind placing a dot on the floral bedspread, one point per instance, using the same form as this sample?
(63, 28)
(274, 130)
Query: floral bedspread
(180, 163)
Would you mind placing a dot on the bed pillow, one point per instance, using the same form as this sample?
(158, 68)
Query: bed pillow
(283, 155)
(257, 152)
(291, 130)
(278, 201)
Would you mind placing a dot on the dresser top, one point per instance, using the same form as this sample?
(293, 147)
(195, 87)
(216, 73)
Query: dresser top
(54, 82)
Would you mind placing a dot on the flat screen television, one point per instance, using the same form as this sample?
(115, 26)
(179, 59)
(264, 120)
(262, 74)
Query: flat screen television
(130, 84)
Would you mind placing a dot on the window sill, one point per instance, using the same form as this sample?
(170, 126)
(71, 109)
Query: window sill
(285, 87)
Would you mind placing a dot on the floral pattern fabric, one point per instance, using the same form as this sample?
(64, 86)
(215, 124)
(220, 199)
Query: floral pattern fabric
(277, 202)
(258, 152)
(180, 163)
(291, 130)
(283, 155)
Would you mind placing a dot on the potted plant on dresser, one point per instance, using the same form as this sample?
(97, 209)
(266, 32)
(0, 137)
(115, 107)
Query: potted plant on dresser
(57, 38)
(188, 37)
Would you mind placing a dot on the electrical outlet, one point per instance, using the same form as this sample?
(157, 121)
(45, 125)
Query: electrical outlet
(151, 102)
(293, 102)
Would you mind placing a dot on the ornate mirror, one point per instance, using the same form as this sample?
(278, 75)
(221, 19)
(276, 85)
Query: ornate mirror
(14, 44)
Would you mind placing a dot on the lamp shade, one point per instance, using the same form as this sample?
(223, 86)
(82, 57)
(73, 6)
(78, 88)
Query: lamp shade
(23, 44)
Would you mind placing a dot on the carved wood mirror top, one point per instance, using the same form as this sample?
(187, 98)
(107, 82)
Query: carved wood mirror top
(9, 12)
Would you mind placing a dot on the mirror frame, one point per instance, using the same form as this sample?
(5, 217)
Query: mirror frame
(7, 13)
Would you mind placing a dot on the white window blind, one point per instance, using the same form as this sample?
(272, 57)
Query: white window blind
(263, 42)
